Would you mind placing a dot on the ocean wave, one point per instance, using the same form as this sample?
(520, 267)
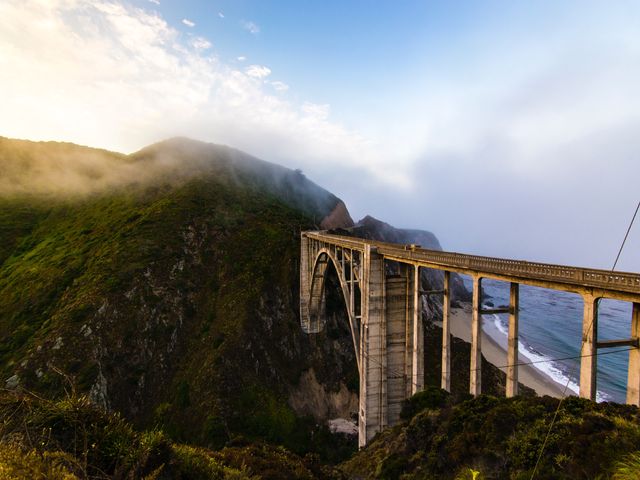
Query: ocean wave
(541, 362)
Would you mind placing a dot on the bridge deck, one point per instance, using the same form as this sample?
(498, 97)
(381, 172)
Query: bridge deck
(612, 284)
(387, 328)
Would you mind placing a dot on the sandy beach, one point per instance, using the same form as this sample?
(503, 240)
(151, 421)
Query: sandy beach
(496, 354)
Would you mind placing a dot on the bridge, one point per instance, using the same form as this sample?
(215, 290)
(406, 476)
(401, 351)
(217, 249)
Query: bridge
(384, 312)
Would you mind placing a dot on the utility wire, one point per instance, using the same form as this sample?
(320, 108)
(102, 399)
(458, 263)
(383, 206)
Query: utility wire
(555, 415)
(574, 357)
(395, 373)
(626, 235)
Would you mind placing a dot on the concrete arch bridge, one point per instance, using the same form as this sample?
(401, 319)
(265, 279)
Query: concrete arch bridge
(384, 315)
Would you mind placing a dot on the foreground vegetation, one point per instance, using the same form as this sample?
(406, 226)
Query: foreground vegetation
(72, 439)
(501, 438)
(442, 437)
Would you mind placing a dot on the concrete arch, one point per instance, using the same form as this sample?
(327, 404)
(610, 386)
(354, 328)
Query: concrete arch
(384, 318)
(316, 301)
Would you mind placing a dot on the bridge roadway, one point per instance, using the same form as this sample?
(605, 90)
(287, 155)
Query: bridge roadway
(385, 321)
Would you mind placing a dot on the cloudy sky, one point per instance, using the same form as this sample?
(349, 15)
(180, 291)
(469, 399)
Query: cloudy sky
(506, 128)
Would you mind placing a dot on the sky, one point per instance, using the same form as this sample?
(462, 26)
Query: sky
(508, 129)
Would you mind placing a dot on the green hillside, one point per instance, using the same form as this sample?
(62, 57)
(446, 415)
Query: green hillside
(171, 297)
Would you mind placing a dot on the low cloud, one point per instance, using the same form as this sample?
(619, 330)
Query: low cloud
(280, 86)
(258, 71)
(250, 27)
(320, 112)
(120, 77)
(201, 43)
(188, 22)
(545, 169)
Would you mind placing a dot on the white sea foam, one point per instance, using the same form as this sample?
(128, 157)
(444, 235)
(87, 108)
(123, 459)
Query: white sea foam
(541, 362)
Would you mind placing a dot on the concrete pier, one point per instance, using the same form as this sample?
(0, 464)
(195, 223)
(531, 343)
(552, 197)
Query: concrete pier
(512, 341)
(633, 376)
(475, 376)
(445, 382)
(589, 348)
(373, 349)
(417, 362)
(399, 320)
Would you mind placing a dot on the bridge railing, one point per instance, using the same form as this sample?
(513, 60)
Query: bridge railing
(475, 264)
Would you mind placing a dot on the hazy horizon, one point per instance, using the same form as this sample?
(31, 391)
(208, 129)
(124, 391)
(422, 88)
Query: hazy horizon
(506, 130)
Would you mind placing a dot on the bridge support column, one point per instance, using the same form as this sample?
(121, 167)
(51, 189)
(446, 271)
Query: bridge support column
(373, 358)
(512, 352)
(305, 284)
(588, 362)
(445, 383)
(417, 362)
(633, 379)
(475, 377)
(399, 318)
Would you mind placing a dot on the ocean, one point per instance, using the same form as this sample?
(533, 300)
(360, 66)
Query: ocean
(550, 327)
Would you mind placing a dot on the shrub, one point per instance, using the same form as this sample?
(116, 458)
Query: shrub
(431, 398)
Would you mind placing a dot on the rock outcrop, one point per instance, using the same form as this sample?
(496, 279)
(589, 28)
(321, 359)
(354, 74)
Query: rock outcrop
(338, 218)
(374, 229)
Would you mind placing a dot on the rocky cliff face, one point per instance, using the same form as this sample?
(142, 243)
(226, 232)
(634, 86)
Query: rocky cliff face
(338, 218)
(374, 229)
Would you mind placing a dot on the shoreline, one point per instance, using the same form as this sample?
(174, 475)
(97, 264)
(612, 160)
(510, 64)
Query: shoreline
(496, 354)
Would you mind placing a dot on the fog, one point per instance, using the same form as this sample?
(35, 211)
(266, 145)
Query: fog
(525, 152)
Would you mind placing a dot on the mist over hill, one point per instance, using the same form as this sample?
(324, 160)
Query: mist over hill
(66, 170)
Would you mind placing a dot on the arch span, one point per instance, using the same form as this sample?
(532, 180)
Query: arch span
(383, 318)
(348, 278)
